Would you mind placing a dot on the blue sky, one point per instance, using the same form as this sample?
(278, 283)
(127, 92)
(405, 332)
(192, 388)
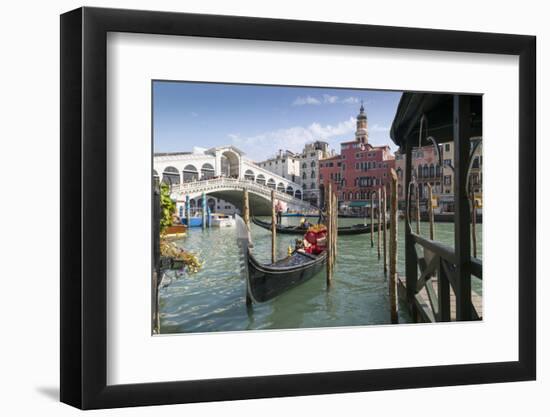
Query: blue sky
(259, 120)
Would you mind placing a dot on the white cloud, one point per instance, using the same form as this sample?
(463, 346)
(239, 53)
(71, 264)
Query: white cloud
(194, 114)
(330, 99)
(325, 99)
(302, 101)
(350, 100)
(261, 146)
(377, 128)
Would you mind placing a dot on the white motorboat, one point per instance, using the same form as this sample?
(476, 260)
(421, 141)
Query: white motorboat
(221, 220)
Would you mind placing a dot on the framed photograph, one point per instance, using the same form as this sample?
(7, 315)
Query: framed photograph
(256, 208)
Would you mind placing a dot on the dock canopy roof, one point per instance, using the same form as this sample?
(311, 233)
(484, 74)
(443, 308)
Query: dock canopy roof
(438, 122)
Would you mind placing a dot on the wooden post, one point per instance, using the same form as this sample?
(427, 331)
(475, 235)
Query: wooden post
(335, 227)
(329, 249)
(417, 209)
(273, 228)
(384, 223)
(474, 223)
(379, 219)
(463, 282)
(411, 262)
(430, 212)
(246, 208)
(393, 247)
(372, 219)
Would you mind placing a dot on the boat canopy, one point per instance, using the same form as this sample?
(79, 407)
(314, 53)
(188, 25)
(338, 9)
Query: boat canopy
(359, 204)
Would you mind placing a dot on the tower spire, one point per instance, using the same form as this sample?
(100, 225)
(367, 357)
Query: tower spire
(361, 134)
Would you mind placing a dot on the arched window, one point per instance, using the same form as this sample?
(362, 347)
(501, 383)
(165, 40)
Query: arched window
(171, 176)
(425, 171)
(419, 171)
(260, 179)
(290, 190)
(432, 171)
(207, 171)
(304, 176)
(357, 195)
(304, 165)
(350, 195)
(312, 185)
(437, 171)
(305, 187)
(312, 174)
(249, 175)
(298, 194)
(190, 173)
(281, 187)
(271, 183)
(312, 164)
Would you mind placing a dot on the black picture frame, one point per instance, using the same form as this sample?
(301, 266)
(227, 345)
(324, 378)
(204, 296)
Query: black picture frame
(84, 207)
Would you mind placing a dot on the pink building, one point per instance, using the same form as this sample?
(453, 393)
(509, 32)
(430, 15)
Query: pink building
(359, 170)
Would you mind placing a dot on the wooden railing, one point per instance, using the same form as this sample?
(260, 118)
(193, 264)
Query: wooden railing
(437, 273)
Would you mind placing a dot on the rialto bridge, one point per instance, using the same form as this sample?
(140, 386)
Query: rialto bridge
(224, 172)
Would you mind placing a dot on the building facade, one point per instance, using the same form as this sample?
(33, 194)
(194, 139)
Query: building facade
(285, 164)
(428, 170)
(310, 158)
(359, 170)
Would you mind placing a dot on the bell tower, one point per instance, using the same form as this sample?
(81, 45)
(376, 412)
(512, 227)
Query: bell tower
(361, 134)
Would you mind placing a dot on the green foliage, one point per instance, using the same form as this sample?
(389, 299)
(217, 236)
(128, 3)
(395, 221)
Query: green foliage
(167, 208)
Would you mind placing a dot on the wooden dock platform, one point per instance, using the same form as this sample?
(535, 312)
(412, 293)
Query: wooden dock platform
(423, 301)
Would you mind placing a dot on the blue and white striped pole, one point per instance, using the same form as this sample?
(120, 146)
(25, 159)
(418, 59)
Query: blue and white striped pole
(188, 210)
(203, 211)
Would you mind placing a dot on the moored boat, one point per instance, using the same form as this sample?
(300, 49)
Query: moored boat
(221, 220)
(356, 229)
(176, 231)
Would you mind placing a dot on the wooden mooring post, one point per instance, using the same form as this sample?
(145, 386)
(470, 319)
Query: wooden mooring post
(246, 208)
(417, 209)
(392, 281)
(430, 212)
(328, 205)
(335, 227)
(379, 219)
(273, 228)
(372, 219)
(384, 223)
(474, 221)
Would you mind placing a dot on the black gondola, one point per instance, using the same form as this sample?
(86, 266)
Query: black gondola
(356, 229)
(267, 281)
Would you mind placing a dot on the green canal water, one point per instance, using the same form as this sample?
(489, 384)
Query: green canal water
(214, 298)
